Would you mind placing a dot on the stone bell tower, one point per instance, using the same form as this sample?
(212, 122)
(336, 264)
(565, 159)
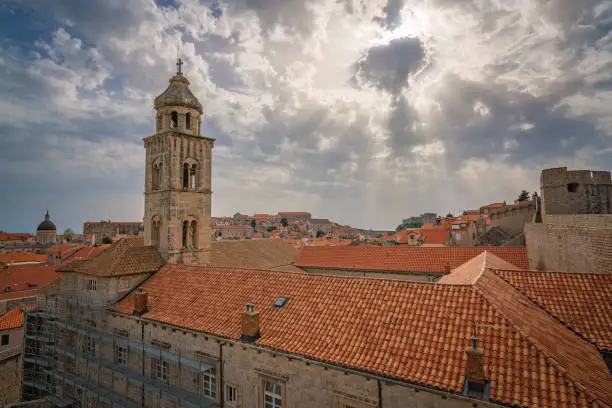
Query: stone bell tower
(178, 177)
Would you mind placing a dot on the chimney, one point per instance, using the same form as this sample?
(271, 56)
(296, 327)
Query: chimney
(141, 300)
(250, 324)
(447, 269)
(476, 384)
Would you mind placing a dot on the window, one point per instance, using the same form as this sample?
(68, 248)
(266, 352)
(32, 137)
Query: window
(572, 187)
(231, 395)
(121, 354)
(188, 120)
(160, 372)
(185, 175)
(272, 395)
(185, 234)
(89, 346)
(458, 236)
(210, 383)
(91, 285)
(124, 283)
(194, 234)
(5, 339)
(156, 176)
(174, 119)
(192, 176)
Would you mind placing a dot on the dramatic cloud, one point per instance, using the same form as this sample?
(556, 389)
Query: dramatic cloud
(364, 112)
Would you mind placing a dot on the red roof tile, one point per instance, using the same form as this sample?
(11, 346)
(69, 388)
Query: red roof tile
(19, 236)
(407, 259)
(294, 214)
(413, 332)
(470, 271)
(22, 257)
(26, 277)
(583, 301)
(11, 319)
(127, 256)
(434, 236)
(88, 252)
(494, 205)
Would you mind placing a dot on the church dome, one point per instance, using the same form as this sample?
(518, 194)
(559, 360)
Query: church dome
(178, 94)
(47, 224)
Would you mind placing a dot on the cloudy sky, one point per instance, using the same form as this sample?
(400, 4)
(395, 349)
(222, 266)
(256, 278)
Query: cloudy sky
(361, 111)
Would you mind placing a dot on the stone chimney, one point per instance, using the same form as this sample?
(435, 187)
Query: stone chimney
(447, 269)
(250, 324)
(141, 301)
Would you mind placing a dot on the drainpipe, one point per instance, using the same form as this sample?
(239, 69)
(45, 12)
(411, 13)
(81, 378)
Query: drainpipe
(379, 384)
(221, 380)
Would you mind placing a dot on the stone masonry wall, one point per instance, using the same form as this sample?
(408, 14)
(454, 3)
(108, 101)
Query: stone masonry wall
(575, 192)
(569, 248)
(10, 380)
(512, 218)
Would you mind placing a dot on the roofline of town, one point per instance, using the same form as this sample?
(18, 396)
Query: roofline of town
(347, 370)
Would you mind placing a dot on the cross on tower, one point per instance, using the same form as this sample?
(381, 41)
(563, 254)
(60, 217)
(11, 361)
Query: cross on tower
(179, 65)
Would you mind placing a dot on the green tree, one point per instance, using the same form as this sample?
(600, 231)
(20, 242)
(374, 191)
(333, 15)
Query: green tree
(253, 224)
(68, 234)
(284, 222)
(320, 234)
(524, 196)
(107, 240)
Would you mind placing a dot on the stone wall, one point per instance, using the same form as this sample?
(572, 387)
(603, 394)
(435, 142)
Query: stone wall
(575, 192)
(10, 380)
(570, 247)
(512, 218)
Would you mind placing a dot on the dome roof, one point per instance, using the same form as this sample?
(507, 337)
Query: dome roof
(47, 224)
(178, 94)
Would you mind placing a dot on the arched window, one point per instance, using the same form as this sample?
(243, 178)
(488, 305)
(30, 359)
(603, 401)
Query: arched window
(185, 175)
(188, 120)
(185, 234)
(192, 176)
(194, 234)
(155, 232)
(174, 120)
(156, 176)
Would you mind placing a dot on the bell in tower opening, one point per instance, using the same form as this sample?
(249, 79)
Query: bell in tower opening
(178, 177)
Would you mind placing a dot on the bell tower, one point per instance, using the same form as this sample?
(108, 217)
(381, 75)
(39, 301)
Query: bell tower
(178, 177)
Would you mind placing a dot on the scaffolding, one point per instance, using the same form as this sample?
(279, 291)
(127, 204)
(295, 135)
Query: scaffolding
(64, 359)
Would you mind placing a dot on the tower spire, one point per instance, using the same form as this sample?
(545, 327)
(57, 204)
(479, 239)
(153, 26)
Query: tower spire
(179, 65)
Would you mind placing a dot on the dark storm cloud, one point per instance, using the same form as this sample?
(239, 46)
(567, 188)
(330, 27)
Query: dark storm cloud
(389, 66)
(391, 12)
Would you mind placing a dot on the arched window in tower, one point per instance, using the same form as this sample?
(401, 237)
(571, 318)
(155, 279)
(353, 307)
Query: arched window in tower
(155, 232)
(185, 234)
(188, 120)
(174, 119)
(156, 176)
(194, 234)
(192, 176)
(185, 175)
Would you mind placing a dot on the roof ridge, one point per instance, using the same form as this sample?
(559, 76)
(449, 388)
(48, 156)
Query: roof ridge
(557, 272)
(558, 365)
(524, 293)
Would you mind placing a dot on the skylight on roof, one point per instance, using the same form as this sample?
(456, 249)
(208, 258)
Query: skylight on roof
(280, 302)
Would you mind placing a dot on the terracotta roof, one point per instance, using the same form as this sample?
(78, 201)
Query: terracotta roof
(295, 213)
(252, 253)
(11, 319)
(434, 236)
(577, 362)
(127, 256)
(18, 295)
(22, 257)
(407, 259)
(242, 227)
(15, 236)
(64, 249)
(494, 205)
(409, 331)
(583, 301)
(112, 222)
(470, 271)
(17, 278)
(88, 252)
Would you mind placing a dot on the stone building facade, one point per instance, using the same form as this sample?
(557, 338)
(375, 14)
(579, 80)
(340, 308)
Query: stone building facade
(232, 231)
(575, 192)
(178, 178)
(11, 337)
(110, 229)
(512, 218)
